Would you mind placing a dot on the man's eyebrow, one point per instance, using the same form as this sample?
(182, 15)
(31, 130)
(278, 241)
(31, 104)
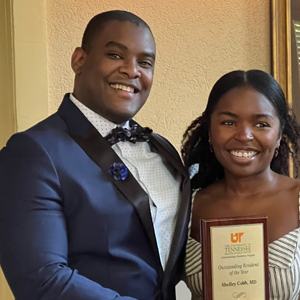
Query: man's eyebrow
(149, 54)
(115, 44)
(123, 47)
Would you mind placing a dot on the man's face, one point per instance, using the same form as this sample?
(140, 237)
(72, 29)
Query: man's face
(114, 78)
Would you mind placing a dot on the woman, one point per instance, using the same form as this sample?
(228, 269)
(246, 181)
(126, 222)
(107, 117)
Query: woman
(241, 147)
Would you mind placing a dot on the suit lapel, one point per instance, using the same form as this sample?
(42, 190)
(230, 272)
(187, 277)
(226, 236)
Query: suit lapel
(167, 150)
(181, 228)
(96, 147)
(180, 232)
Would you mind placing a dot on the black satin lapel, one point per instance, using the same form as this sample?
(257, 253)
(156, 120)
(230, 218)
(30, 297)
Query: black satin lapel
(181, 228)
(103, 155)
(167, 150)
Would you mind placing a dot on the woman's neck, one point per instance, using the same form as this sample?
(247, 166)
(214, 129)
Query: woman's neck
(250, 185)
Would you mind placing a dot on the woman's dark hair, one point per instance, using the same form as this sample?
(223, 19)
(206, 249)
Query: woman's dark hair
(196, 148)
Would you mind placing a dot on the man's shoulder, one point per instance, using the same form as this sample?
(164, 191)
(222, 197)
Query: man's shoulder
(50, 124)
(45, 128)
(44, 133)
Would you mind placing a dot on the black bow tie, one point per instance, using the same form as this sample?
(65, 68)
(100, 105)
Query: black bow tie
(135, 134)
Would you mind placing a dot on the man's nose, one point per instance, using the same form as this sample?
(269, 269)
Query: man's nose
(131, 69)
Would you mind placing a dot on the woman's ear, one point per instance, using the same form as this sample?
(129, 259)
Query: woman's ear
(78, 60)
(279, 140)
(278, 143)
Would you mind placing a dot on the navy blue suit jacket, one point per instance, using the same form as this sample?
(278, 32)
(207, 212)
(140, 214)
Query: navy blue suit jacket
(68, 230)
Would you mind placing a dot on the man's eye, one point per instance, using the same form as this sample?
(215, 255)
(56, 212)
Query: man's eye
(146, 64)
(114, 56)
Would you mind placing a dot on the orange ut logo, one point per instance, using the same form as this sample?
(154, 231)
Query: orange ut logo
(237, 237)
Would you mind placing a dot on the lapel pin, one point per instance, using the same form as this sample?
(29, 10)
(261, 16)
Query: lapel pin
(118, 171)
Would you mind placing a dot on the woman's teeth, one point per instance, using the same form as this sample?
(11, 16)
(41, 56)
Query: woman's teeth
(243, 153)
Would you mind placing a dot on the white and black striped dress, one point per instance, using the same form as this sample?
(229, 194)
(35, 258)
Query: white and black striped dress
(284, 267)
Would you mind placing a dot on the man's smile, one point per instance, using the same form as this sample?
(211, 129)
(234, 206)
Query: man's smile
(123, 87)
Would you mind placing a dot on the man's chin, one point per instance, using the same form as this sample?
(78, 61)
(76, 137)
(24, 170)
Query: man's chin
(121, 117)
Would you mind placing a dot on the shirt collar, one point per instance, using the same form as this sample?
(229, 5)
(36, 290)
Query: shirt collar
(103, 125)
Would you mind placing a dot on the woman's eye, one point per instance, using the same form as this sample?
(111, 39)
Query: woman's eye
(261, 125)
(228, 123)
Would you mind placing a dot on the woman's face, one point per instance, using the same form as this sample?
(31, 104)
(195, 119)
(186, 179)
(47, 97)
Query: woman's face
(244, 132)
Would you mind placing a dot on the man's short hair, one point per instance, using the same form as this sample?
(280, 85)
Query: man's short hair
(98, 22)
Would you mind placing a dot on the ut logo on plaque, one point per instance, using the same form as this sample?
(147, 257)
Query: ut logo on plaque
(236, 237)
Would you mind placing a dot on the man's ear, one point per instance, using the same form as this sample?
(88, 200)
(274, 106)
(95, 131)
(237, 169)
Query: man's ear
(77, 60)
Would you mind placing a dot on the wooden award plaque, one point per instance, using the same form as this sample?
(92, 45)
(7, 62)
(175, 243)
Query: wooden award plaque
(235, 258)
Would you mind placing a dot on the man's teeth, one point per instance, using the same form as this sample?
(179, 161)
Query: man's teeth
(122, 87)
(243, 153)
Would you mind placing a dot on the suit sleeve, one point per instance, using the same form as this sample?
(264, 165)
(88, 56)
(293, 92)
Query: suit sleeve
(33, 233)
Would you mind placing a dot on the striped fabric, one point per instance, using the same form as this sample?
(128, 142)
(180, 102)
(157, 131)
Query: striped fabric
(284, 267)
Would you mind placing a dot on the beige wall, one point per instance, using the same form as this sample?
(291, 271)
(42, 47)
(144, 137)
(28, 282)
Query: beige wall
(30, 61)
(197, 42)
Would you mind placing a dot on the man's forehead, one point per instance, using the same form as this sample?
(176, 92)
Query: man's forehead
(125, 31)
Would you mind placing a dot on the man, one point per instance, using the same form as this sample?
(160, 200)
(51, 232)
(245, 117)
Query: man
(84, 217)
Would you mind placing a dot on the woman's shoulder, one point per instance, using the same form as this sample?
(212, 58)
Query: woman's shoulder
(288, 183)
(295, 182)
(207, 199)
(212, 191)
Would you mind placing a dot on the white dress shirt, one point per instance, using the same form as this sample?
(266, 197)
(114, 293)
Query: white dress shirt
(155, 175)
